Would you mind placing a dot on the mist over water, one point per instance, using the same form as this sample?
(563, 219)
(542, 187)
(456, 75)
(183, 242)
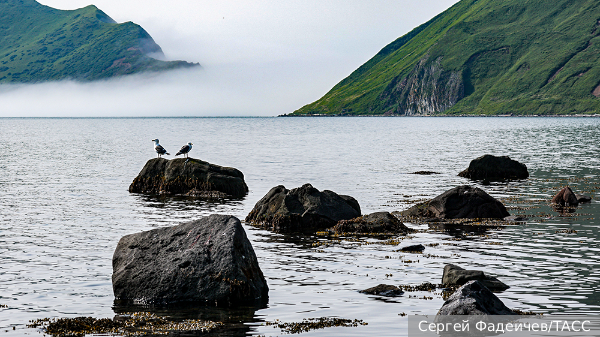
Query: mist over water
(65, 205)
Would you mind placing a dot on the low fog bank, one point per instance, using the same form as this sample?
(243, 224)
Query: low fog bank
(258, 57)
(269, 90)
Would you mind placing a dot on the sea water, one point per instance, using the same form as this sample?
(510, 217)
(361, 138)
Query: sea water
(64, 204)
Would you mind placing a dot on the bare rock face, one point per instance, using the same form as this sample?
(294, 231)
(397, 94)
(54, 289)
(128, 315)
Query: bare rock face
(474, 298)
(457, 276)
(207, 261)
(462, 202)
(566, 198)
(494, 168)
(302, 209)
(379, 222)
(189, 176)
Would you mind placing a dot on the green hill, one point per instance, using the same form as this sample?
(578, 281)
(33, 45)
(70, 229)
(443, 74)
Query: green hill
(39, 43)
(482, 57)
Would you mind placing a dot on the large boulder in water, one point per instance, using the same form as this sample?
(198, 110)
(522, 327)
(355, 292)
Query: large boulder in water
(494, 168)
(474, 298)
(207, 261)
(457, 276)
(189, 176)
(378, 222)
(462, 202)
(302, 209)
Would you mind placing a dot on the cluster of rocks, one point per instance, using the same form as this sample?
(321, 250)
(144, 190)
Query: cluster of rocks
(211, 260)
(473, 295)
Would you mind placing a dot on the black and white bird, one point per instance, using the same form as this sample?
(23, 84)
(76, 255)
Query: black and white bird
(185, 149)
(159, 149)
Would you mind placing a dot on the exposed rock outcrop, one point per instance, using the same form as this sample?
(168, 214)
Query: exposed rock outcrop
(302, 209)
(459, 203)
(427, 89)
(457, 276)
(379, 222)
(565, 198)
(191, 177)
(474, 298)
(492, 168)
(207, 261)
(383, 290)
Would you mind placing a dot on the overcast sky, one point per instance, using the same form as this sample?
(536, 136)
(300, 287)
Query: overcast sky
(258, 57)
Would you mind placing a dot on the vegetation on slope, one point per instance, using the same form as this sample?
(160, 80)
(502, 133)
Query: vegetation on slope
(39, 43)
(482, 57)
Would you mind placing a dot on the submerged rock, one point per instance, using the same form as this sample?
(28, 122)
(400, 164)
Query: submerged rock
(474, 298)
(413, 248)
(566, 198)
(457, 276)
(379, 222)
(302, 209)
(189, 176)
(462, 202)
(383, 290)
(492, 168)
(582, 198)
(209, 260)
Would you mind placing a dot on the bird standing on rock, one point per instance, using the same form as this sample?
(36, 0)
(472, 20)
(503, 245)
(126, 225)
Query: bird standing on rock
(185, 149)
(159, 149)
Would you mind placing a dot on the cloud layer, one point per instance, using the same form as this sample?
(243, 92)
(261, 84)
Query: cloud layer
(259, 58)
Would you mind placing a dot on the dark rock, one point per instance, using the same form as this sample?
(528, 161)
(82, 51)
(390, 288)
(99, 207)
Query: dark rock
(582, 198)
(565, 197)
(209, 260)
(189, 176)
(302, 209)
(413, 248)
(425, 173)
(474, 298)
(379, 222)
(492, 168)
(383, 290)
(457, 276)
(459, 203)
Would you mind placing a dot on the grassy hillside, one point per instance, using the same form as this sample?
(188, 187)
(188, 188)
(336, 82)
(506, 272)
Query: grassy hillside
(482, 57)
(39, 43)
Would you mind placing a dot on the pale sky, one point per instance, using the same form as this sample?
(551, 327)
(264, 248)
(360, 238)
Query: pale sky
(258, 57)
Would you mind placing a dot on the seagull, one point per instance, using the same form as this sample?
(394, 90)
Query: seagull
(159, 149)
(185, 149)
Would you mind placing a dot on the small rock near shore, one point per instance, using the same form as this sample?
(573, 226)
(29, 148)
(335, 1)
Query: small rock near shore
(474, 298)
(566, 198)
(302, 209)
(379, 222)
(457, 276)
(383, 290)
(462, 202)
(582, 198)
(207, 261)
(492, 168)
(189, 176)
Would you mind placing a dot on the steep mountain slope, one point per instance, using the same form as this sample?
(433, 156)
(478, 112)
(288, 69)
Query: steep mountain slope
(39, 43)
(482, 57)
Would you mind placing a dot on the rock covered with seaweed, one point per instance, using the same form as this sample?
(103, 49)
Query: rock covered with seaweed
(207, 261)
(189, 176)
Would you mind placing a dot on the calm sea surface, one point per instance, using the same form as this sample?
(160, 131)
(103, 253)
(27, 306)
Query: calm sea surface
(64, 205)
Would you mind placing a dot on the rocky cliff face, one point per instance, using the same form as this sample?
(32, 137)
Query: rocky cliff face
(427, 89)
